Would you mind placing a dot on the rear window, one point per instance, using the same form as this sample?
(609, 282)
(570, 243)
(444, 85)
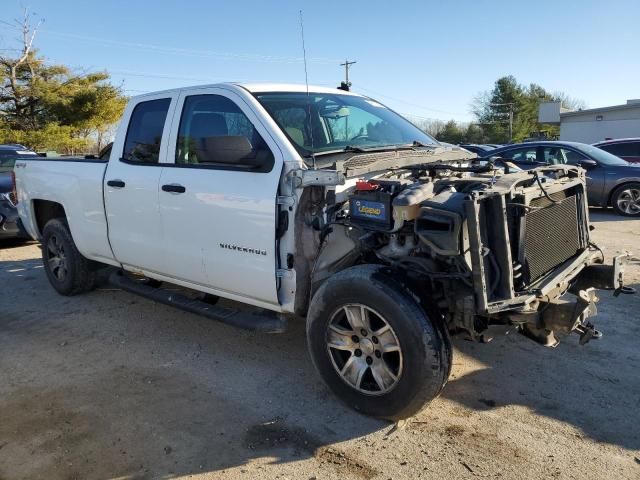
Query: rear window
(629, 149)
(142, 143)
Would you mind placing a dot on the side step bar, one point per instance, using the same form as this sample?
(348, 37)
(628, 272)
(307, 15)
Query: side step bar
(268, 322)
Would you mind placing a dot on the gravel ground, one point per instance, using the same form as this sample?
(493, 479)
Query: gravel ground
(109, 385)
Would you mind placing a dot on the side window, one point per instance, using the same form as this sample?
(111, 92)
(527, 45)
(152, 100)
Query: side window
(142, 143)
(573, 158)
(214, 133)
(521, 155)
(554, 155)
(621, 149)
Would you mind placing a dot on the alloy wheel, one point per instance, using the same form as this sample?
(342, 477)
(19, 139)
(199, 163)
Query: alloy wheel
(56, 258)
(629, 201)
(364, 349)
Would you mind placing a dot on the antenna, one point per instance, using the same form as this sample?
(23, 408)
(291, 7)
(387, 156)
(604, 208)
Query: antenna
(306, 81)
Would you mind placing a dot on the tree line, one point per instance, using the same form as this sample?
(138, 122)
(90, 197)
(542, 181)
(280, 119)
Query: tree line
(507, 112)
(48, 106)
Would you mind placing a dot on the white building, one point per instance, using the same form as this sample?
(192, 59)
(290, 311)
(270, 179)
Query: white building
(594, 124)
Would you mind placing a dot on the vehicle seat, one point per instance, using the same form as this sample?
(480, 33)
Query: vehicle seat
(203, 126)
(296, 135)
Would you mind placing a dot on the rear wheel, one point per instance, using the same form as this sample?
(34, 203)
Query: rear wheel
(68, 271)
(374, 345)
(626, 200)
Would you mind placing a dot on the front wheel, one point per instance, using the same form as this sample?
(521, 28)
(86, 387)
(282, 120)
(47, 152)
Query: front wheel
(374, 345)
(68, 271)
(626, 200)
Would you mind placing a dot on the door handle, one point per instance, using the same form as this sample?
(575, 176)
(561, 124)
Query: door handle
(116, 183)
(173, 188)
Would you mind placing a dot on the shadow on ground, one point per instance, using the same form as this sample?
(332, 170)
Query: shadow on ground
(110, 385)
(595, 388)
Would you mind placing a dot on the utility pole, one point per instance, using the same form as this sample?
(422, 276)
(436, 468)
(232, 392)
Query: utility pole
(346, 84)
(510, 117)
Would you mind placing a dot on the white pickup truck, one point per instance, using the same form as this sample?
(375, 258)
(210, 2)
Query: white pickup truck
(320, 203)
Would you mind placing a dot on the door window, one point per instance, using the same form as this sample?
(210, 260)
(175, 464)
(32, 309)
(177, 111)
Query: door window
(554, 155)
(521, 155)
(142, 143)
(215, 133)
(572, 157)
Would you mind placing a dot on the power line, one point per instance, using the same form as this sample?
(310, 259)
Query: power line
(378, 94)
(185, 52)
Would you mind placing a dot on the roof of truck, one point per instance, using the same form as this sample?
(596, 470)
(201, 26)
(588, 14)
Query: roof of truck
(257, 88)
(289, 87)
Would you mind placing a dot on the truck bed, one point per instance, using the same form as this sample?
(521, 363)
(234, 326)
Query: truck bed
(75, 183)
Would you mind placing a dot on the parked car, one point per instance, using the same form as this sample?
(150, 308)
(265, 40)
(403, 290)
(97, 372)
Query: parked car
(611, 181)
(626, 148)
(9, 219)
(384, 239)
(479, 150)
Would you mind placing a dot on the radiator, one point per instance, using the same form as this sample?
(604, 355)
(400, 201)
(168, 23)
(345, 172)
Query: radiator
(551, 236)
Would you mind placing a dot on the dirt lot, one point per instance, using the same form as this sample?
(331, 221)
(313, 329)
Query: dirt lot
(108, 385)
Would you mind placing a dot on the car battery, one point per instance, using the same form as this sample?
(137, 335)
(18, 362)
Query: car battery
(371, 209)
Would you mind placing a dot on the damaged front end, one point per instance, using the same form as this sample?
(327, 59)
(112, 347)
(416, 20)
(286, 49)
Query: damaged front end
(481, 244)
(569, 313)
(534, 264)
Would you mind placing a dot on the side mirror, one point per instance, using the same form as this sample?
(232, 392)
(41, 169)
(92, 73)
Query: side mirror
(588, 164)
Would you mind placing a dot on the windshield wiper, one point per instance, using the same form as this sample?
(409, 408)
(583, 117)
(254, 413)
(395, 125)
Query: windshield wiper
(381, 148)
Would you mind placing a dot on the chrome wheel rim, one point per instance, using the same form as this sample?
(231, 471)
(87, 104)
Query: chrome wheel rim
(364, 349)
(629, 201)
(56, 258)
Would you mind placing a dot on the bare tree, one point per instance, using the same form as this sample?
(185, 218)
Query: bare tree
(12, 91)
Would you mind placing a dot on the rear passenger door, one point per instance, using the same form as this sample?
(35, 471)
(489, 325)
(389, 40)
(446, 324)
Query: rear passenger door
(131, 184)
(218, 197)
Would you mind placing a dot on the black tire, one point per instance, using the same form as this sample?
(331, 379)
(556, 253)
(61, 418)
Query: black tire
(425, 347)
(624, 190)
(79, 273)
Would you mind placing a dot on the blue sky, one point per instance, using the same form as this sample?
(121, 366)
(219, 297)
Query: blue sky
(422, 58)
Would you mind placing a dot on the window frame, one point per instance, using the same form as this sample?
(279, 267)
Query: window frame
(165, 129)
(244, 108)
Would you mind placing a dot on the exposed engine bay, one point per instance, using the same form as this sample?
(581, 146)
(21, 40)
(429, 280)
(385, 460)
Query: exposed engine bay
(479, 243)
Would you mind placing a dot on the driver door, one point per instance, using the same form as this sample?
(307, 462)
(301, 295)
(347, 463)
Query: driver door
(219, 217)
(595, 177)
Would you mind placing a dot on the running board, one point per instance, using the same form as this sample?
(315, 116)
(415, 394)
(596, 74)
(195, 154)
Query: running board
(267, 322)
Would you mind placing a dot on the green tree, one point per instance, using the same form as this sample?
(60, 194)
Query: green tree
(512, 106)
(48, 106)
(451, 133)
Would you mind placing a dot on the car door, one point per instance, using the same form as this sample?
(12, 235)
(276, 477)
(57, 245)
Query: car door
(595, 175)
(218, 199)
(131, 184)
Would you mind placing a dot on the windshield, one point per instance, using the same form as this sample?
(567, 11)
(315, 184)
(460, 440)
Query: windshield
(325, 122)
(602, 157)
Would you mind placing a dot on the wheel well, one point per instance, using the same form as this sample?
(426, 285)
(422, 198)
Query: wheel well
(45, 210)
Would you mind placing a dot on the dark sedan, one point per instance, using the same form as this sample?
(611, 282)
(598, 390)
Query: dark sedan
(626, 148)
(611, 181)
(9, 224)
